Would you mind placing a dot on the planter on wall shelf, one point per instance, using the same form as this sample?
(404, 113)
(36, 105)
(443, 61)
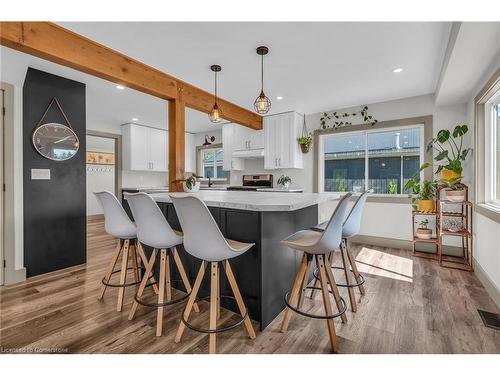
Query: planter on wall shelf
(424, 233)
(426, 205)
(448, 175)
(305, 148)
(455, 195)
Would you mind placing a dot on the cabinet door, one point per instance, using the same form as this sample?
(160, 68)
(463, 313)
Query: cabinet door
(227, 134)
(286, 139)
(158, 149)
(256, 138)
(270, 141)
(241, 137)
(138, 149)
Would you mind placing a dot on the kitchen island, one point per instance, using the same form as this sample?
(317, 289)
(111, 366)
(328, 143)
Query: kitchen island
(267, 271)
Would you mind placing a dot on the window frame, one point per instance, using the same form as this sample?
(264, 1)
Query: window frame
(483, 203)
(366, 133)
(490, 159)
(200, 166)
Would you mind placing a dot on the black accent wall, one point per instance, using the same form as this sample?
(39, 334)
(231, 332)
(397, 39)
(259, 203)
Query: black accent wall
(55, 231)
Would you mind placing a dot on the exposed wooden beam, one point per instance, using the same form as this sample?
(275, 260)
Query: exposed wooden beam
(57, 44)
(176, 142)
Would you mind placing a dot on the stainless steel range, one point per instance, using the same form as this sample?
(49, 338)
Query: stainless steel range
(254, 182)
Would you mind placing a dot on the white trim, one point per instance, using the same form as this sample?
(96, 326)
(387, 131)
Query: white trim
(321, 160)
(490, 150)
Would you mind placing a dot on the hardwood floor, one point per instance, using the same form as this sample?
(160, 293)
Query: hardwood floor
(411, 306)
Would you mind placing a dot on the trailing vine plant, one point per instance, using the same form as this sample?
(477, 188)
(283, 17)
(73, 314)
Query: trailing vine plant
(342, 119)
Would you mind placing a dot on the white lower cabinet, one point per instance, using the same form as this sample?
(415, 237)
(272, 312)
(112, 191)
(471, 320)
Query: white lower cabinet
(281, 149)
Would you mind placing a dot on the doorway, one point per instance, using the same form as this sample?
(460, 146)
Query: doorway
(103, 168)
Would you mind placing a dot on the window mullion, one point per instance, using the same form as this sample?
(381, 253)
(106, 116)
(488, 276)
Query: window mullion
(366, 162)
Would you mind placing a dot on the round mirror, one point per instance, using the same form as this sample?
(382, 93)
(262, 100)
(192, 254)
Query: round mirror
(55, 141)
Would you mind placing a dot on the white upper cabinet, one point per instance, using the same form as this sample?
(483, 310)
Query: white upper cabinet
(247, 139)
(232, 141)
(281, 149)
(146, 149)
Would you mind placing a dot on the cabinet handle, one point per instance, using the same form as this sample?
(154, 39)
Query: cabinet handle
(249, 144)
(152, 165)
(279, 162)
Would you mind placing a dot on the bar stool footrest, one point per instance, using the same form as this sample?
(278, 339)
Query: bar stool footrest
(315, 274)
(217, 330)
(167, 303)
(123, 285)
(313, 316)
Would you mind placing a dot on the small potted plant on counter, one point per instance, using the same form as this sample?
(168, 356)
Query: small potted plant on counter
(284, 181)
(423, 193)
(305, 142)
(423, 232)
(190, 184)
(451, 153)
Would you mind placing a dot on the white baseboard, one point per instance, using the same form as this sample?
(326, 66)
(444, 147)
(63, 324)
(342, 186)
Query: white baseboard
(15, 276)
(488, 284)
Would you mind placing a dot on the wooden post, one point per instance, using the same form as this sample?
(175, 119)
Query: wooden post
(176, 141)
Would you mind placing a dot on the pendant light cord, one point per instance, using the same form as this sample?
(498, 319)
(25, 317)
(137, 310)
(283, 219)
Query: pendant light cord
(215, 94)
(262, 73)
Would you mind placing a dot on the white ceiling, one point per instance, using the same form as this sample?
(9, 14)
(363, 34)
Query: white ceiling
(314, 66)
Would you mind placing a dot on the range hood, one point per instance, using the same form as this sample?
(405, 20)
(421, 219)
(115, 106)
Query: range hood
(249, 154)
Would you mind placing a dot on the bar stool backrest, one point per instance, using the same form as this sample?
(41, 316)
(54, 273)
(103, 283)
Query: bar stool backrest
(332, 236)
(116, 221)
(352, 224)
(152, 227)
(202, 236)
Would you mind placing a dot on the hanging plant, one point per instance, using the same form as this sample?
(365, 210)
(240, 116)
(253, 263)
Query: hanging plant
(305, 140)
(343, 119)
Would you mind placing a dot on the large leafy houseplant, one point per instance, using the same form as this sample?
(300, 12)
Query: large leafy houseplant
(423, 192)
(451, 152)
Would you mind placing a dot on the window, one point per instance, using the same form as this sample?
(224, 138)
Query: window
(492, 150)
(212, 163)
(381, 160)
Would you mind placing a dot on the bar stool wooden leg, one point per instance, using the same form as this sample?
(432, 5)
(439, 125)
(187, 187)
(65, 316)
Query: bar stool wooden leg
(335, 290)
(294, 295)
(110, 269)
(326, 301)
(190, 303)
(144, 259)
(354, 269)
(135, 264)
(142, 286)
(239, 300)
(184, 277)
(123, 275)
(218, 293)
(168, 281)
(304, 285)
(161, 292)
(214, 273)
(347, 273)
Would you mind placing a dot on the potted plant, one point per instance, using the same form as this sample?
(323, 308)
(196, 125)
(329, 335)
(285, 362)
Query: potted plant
(451, 153)
(305, 142)
(422, 231)
(190, 184)
(423, 193)
(454, 192)
(284, 181)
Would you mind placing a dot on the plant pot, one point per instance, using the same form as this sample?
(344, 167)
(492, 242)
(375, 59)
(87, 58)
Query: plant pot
(424, 233)
(193, 189)
(305, 148)
(455, 195)
(285, 186)
(426, 205)
(448, 175)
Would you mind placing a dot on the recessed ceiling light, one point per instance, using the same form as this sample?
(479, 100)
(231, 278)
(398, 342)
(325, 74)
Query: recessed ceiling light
(120, 87)
(397, 70)
(279, 98)
(135, 119)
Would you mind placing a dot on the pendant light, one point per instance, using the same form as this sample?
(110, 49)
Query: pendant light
(215, 114)
(262, 104)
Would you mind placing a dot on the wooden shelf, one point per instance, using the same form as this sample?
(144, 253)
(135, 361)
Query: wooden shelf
(415, 213)
(460, 233)
(430, 240)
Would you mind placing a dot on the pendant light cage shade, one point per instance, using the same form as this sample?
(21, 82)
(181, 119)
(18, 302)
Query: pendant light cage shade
(215, 114)
(262, 104)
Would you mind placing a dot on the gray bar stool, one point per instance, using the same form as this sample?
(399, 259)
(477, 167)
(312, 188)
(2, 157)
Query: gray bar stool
(153, 230)
(204, 240)
(352, 225)
(118, 224)
(317, 245)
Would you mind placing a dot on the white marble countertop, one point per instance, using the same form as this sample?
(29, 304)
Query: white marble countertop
(253, 201)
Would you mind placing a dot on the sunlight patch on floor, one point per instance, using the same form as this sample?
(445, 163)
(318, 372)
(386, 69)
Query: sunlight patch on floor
(378, 263)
